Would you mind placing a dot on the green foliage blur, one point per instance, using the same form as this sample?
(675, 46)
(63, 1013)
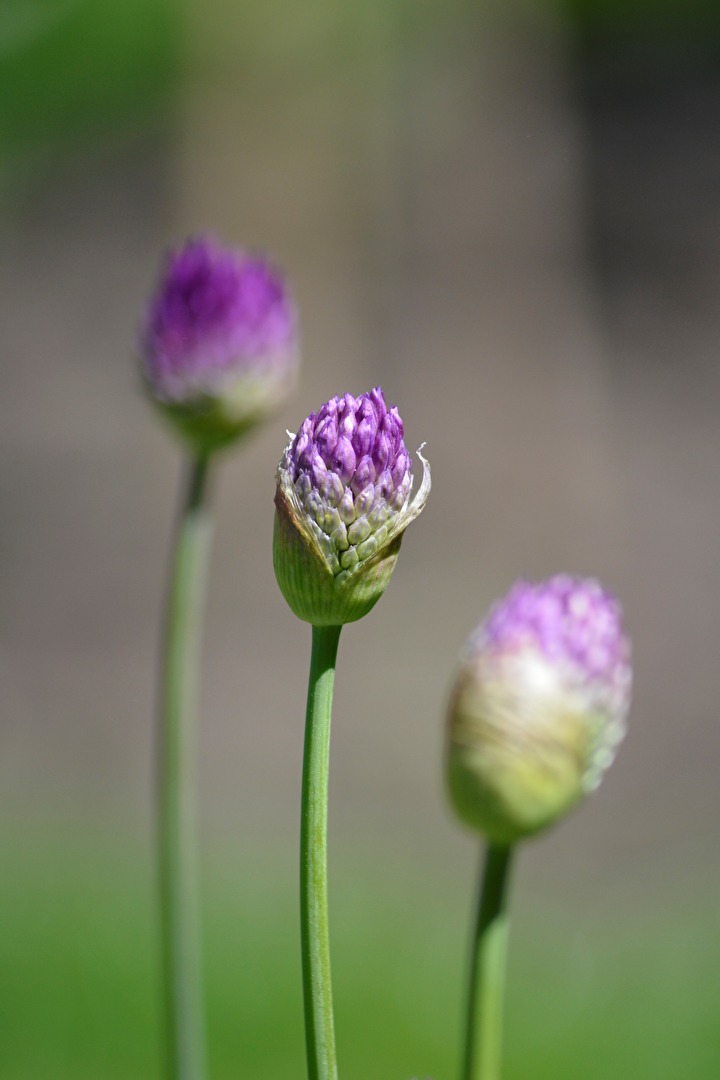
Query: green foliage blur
(665, 16)
(80, 69)
(624, 993)
(83, 68)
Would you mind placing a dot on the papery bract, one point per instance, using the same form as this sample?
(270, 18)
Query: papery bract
(538, 707)
(342, 505)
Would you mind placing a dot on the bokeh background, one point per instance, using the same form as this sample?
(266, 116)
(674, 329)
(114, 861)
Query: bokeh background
(507, 214)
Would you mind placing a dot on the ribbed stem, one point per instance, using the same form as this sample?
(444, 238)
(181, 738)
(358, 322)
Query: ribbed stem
(184, 1028)
(315, 941)
(483, 1021)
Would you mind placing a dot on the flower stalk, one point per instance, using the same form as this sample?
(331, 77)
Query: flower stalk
(184, 1033)
(342, 506)
(482, 1045)
(219, 354)
(315, 941)
(535, 717)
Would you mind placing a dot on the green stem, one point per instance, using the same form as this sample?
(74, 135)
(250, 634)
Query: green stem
(181, 967)
(483, 1021)
(317, 988)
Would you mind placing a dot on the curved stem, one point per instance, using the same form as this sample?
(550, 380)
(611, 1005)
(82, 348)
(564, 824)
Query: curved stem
(483, 1022)
(317, 989)
(181, 974)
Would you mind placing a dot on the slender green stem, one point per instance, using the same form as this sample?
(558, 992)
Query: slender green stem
(483, 1022)
(317, 988)
(181, 967)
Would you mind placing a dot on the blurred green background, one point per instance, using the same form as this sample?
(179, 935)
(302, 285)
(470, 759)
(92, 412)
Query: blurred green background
(509, 215)
(600, 987)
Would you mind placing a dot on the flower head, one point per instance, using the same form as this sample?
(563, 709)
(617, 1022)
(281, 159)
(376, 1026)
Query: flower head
(219, 343)
(539, 706)
(343, 503)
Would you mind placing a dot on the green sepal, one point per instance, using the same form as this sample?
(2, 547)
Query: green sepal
(213, 421)
(303, 572)
(507, 804)
(308, 584)
(516, 764)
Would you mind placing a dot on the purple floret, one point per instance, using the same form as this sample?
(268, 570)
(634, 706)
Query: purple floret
(351, 473)
(572, 623)
(217, 313)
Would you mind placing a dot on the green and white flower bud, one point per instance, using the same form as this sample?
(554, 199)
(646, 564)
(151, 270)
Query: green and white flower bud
(342, 505)
(538, 708)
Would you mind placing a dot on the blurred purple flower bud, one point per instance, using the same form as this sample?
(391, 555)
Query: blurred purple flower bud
(539, 706)
(343, 503)
(219, 343)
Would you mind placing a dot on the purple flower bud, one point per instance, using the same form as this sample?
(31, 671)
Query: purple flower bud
(343, 503)
(219, 342)
(539, 706)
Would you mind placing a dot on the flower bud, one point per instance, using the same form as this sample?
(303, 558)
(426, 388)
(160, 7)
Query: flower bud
(538, 708)
(342, 506)
(219, 343)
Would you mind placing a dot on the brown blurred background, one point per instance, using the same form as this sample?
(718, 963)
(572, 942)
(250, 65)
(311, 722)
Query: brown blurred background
(508, 215)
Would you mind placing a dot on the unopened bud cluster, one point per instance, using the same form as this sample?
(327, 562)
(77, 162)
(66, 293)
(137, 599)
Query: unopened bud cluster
(351, 474)
(343, 503)
(539, 706)
(219, 344)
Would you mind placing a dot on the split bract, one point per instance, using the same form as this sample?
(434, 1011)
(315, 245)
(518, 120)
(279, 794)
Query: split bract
(343, 502)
